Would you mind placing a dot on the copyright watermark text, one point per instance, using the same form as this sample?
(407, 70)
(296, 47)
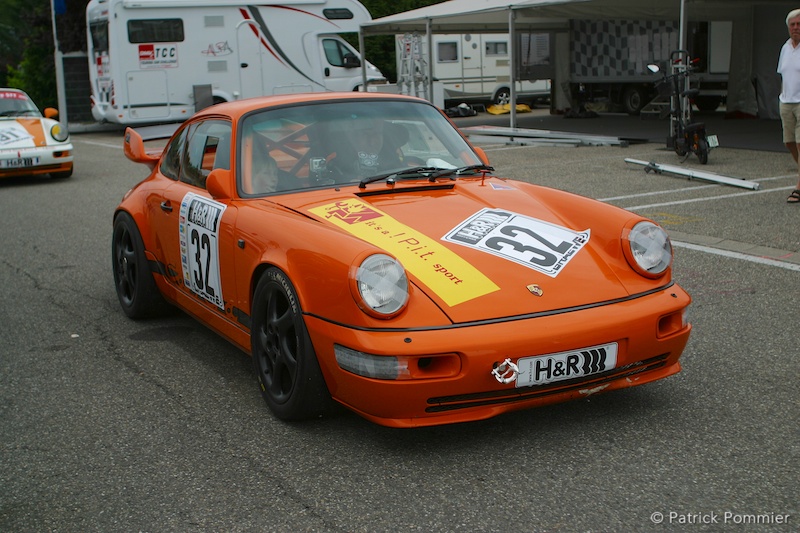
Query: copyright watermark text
(727, 517)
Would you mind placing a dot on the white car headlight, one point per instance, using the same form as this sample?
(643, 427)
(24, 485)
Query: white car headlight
(649, 250)
(381, 286)
(59, 132)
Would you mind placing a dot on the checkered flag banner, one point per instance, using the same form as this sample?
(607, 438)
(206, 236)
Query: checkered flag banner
(614, 48)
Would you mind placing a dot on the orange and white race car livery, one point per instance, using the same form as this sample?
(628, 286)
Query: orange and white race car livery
(29, 142)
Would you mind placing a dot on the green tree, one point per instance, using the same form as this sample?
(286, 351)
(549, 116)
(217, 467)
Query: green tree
(27, 51)
(12, 30)
(33, 71)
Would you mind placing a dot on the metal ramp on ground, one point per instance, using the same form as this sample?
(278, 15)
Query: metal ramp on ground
(534, 137)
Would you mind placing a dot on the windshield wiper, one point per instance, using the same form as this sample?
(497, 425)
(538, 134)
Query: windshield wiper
(407, 172)
(458, 171)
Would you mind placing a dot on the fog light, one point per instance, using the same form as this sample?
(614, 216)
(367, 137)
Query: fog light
(672, 323)
(370, 366)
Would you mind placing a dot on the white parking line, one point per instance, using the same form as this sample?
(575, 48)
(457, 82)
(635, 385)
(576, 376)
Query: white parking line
(718, 197)
(107, 145)
(684, 189)
(738, 255)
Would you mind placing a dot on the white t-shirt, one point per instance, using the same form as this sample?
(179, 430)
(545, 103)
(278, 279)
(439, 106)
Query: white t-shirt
(789, 69)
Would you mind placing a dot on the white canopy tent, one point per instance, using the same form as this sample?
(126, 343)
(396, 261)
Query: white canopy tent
(759, 30)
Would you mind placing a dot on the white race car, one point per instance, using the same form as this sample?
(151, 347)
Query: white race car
(29, 142)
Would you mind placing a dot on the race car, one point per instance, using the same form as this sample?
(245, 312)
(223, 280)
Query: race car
(30, 143)
(364, 253)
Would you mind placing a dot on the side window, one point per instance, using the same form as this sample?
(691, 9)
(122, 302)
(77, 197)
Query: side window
(171, 164)
(334, 52)
(155, 31)
(496, 48)
(208, 147)
(447, 52)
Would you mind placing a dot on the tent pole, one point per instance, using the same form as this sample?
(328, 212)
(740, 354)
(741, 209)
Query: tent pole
(512, 55)
(429, 40)
(363, 51)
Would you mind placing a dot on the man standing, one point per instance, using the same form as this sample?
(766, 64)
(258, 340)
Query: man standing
(789, 69)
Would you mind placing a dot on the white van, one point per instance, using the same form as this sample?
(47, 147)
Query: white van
(160, 60)
(472, 66)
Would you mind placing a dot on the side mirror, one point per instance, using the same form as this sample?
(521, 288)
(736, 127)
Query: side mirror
(351, 61)
(219, 184)
(50, 112)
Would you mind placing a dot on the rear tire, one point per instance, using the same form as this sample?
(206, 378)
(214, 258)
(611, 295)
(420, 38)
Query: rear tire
(136, 289)
(283, 357)
(633, 100)
(702, 151)
(502, 96)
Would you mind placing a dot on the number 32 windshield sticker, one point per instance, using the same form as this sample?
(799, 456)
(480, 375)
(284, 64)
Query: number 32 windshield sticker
(533, 243)
(199, 232)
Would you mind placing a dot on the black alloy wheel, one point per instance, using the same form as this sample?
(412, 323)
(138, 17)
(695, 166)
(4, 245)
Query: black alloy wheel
(136, 289)
(283, 358)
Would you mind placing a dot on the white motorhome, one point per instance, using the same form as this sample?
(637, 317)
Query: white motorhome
(160, 60)
(470, 66)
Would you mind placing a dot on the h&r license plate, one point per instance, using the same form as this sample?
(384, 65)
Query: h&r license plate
(561, 366)
(19, 163)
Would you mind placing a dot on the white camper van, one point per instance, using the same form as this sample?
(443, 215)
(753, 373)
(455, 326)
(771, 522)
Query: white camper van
(160, 60)
(470, 66)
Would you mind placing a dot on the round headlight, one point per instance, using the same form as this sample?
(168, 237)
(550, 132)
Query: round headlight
(382, 286)
(59, 132)
(650, 249)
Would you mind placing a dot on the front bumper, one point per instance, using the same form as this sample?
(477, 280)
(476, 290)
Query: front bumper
(650, 332)
(43, 160)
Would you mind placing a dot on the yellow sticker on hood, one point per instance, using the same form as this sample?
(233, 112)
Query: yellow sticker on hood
(448, 275)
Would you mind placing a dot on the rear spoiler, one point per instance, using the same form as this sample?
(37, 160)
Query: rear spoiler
(135, 138)
(160, 131)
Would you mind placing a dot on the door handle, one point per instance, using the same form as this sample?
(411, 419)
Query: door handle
(165, 206)
(243, 65)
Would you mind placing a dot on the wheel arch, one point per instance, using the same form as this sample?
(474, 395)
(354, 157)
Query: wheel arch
(140, 219)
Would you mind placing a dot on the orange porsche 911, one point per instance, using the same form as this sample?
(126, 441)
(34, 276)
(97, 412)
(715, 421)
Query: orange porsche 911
(364, 252)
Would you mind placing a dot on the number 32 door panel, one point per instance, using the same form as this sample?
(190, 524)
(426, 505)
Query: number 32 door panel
(194, 255)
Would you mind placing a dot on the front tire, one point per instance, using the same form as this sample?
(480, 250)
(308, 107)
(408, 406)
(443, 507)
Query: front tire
(136, 289)
(283, 357)
(61, 175)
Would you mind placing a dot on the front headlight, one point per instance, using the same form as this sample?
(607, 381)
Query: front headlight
(59, 132)
(380, 286)
(648, 249)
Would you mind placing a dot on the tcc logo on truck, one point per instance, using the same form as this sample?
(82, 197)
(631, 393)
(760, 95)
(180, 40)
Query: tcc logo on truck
(158, 56)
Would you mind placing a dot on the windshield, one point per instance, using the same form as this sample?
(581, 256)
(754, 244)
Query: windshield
(346, 142)
(17, 104)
